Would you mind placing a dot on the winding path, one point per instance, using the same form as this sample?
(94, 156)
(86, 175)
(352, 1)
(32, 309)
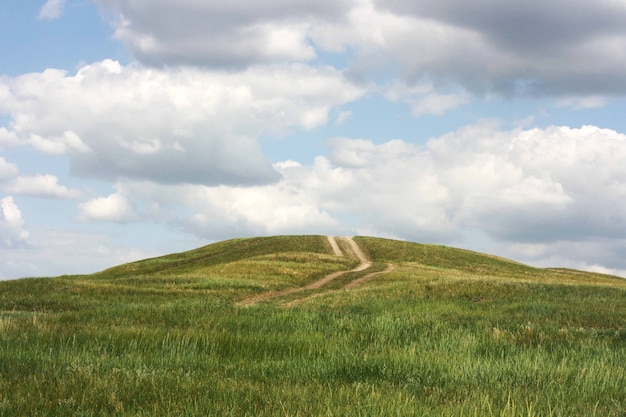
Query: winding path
(334, 245)
(364, 263)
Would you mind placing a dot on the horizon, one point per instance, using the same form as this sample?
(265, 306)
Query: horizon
(125, 135)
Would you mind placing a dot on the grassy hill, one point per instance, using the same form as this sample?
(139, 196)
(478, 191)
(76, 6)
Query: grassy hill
(442, 332)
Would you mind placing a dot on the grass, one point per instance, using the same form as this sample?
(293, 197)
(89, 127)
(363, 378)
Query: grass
(447, 333)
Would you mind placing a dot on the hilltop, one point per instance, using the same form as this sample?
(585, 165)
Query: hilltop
(254, 252)
(287, 263)
(315, 325)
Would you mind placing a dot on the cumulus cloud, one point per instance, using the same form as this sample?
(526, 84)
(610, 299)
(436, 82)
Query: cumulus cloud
(555, 188)
(73, 252)
(558, 48)
(343, 117)
(221, 212)
(46, 186)
(602, 255)
(12, 232)
(535, 188)
(52, 9)
(64, 143)
(424, 98)
(590, 102)
(271, 210)
(7, 138)
(521, 47)
(178, 126)
(235, 33)
(523, 26)
(551, 197)
(115, 208)
(7, 170)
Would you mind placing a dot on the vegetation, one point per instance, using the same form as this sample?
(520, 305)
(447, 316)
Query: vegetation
(446, 332)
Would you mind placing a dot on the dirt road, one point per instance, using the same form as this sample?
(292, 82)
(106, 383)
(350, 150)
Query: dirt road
(364, 263)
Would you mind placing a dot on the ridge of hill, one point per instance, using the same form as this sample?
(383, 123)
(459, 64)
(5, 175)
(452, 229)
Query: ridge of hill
(316, 248)
(220, 253)
(289, 270)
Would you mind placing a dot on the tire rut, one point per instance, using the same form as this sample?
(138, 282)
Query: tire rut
(364, 263)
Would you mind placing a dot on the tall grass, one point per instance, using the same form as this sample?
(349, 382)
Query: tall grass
(424, 340)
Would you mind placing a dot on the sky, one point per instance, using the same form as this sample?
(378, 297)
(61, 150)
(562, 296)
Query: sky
(137, 128)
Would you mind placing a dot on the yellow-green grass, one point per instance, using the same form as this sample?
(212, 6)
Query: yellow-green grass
(447, 333)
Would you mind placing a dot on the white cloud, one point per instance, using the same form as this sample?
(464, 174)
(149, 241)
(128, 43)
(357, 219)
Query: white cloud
(115, 208)
(558, 187)
(343, 117)
(437, 104)
(73, 252)
(590, 102)
(602, 255)
(67, 142)
(46, 186)
(532, 187)
(257, 211)
(221, 212)
(12, 232)
(172, 126)
(549, 196)
(7, 138)
(423, 98)
(518, 48)
(353, 153)
(236, 33)
(287, 164)
(52, 9)
(7, 170)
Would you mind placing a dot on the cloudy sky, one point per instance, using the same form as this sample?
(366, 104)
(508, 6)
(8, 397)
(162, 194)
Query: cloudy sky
(135, 128)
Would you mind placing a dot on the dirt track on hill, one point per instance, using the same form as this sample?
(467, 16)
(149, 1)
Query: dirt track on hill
(364, 263)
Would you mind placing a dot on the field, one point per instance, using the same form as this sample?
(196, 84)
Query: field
(439, 332)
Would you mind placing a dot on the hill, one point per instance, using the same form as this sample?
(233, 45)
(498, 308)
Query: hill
(310, 325)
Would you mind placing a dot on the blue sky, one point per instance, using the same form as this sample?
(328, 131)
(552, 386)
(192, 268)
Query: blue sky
(131, 129)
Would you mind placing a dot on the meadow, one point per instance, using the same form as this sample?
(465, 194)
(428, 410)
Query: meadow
(446, 332)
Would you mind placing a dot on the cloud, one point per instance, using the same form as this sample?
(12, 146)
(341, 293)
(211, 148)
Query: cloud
(559, 188)
(73, 252)
(596, 255)
(535, 186)
(535, 195)
(172, 126)
(273, 210)
(221, 212)
(523, 26)
(51, 10)
(591, 102)
(536, 48)
(220, 34)
(46, 186)
(7, 138)
(423, 98)
(66, 142)
(12, 232)
(7, 170)
(115, 208)
(343, 117)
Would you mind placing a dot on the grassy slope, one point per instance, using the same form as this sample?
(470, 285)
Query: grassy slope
(448, 332)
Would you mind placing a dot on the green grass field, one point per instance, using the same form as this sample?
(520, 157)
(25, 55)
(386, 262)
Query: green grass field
(447, 332)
